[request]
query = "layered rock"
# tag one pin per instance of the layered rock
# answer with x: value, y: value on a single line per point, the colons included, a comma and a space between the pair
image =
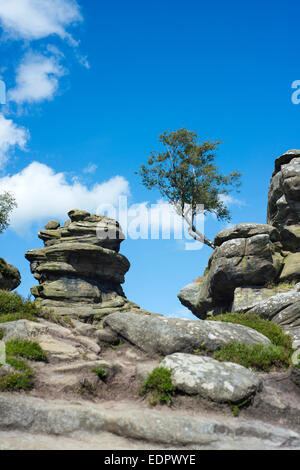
x: 80, y: 270
x: 284, y: 199
x: 250, y: 257
x: 246, y: 255
x: 10, y: 277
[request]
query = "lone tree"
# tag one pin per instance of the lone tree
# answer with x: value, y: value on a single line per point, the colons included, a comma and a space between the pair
x: 7, y: 204
x: 186, y: 175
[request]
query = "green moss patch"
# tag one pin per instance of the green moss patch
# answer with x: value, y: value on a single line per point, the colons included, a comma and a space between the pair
x: 22, y: 379
x: 269, y: 329
x: 102, y: 374
x: 27, y: 349
x: 257, y: 357
x: 159, y: 386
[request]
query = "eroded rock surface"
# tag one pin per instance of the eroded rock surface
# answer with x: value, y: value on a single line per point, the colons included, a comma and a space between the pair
x: 159, y: 335
x: 80, y: 270
x: 253, y: 255
x: 246, y: 255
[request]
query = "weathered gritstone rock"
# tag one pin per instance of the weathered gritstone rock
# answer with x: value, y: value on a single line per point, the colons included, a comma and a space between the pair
x: 60, y: 344
x: 278, y: 305
x: 169, y: 335
x: 253, y: 255
x: 284, y: 199
x: 80, y: 270
x: 246, y: 298
x: 246, y: 255
x: 139, y: 426
x: 10, y: 277
x: 218, y: 381
x: 189, y: 296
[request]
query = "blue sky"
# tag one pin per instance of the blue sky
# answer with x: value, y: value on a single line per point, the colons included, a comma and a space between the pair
x: 91, y: 86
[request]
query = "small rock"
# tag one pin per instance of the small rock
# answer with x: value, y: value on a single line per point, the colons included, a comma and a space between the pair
x: 107, y: 336
x: 52, y: 225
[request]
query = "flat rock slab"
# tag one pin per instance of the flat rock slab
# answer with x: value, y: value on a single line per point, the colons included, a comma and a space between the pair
x: 169, y: 335
x: 61, y: 344
x: 218, y: 381
x: 140, y: 426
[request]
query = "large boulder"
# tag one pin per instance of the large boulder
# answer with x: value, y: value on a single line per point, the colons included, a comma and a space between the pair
x: 80, y: 270
x: 10, y: 277
x: 218, y: 381
x: 284, y: 199
x: 159, y: 335
x: 245, y: 255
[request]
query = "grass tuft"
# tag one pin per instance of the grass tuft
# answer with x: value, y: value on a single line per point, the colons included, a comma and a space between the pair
x: 27, y: 349
x: 159, y: 386
x: 269, y: 329
x: 102, y: 374
x: 257, y: 357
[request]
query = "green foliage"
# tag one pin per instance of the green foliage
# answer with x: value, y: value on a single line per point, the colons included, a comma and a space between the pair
x: 20, y: 380
x: 269, y: 329
x: 257, y: 357
x: 236, y: 407
x: 18, y: 364
x: 1, y: 334
x: 159, y: 386
x: 7, y: 204
x: 27, y: 349
x: 14, y: 382
x: 102, y: 374
x: 13, y: 307
x: 186, y: 175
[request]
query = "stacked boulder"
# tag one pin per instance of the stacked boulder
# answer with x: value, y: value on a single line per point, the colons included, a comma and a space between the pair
x: 80, y: 270
x: 252, y: 264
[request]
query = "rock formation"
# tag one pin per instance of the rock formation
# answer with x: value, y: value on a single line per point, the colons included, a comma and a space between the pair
x: 251, y: 261
x: 80, y: 270
x: 10, y: 277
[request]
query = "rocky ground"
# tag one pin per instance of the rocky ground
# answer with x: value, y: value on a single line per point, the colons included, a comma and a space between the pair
x: 70, y: 407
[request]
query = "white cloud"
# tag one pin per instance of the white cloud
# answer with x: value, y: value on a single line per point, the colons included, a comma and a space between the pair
x: 37, y: 79
x: 11, y: 136
x: 90, y: 169
x: 37, y: 19
x: 41, y: 193
x: 230, y: 200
